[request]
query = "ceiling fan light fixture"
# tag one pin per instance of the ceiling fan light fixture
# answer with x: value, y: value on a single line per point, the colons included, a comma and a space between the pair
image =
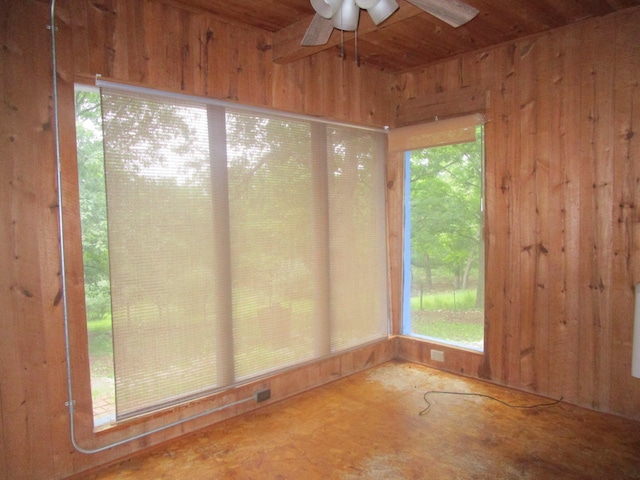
x: 382, y: 10
x: 346, y: 18
x: 326, y: 8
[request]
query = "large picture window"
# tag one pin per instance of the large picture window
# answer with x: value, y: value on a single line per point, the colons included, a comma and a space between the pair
x: 239, y: 243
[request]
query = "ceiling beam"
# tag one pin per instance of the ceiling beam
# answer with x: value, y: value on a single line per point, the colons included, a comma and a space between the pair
x: 286, y: 42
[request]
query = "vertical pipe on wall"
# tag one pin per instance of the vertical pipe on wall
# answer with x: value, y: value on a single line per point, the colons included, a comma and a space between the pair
x: 635, y: 362
x: 70, y: 404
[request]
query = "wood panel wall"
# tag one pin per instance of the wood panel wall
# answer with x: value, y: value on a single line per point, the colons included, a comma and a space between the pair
x: 563, y: 204
x: 562, y: 183
x: 160, y: 45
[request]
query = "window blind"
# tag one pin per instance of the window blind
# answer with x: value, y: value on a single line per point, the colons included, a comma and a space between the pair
x: 435, y: 134
x: 241, y: 242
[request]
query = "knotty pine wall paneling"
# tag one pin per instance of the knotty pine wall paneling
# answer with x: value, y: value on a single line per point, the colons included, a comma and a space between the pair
x: 596, y: 83
x: 31, y: 357
x: 626, y: 205
x: 156, y: 44
x: 563, y: 227
x: 563, y: 203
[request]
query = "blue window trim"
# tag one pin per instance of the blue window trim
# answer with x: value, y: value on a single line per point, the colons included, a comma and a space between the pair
x: 406, y: 248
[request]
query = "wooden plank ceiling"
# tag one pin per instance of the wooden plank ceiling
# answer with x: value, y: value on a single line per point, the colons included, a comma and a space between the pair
x: 410, y: 38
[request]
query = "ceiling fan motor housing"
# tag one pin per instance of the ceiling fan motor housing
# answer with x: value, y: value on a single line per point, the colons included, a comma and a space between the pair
x: 344, y: 14
x: 346, y: 18
x: 326, y: 8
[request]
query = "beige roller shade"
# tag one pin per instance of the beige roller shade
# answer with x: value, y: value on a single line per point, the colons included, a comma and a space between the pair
x: 241, y: 242
x: 435, y: 134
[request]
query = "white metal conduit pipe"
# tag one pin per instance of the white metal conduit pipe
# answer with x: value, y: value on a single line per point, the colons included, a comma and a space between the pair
x: 70, y: 404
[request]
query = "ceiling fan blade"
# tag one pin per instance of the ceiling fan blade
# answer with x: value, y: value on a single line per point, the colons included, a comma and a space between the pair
x: 318, y: 32
x: 453, y: 12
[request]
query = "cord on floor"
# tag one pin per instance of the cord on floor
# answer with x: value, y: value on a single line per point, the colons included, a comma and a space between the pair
x: 442, y: 392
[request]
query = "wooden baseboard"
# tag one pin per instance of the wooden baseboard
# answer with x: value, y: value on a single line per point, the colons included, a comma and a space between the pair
x: 441, y: 356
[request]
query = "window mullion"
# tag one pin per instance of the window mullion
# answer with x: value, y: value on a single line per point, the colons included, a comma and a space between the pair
x: 322, y: 313
x: 221, y: 226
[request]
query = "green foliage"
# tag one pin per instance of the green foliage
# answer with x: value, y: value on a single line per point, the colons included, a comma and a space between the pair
x: 103, y: 325
x: 446, y: 241
x: 452, y: 300
x: 93, y: 204
x: 446, y: 218
x: 463, y: 333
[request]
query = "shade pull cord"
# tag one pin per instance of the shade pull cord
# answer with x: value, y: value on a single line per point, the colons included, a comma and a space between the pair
x: 356, y: 59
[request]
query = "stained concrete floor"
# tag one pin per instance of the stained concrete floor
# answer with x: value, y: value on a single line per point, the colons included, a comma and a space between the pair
x: 368, y: 426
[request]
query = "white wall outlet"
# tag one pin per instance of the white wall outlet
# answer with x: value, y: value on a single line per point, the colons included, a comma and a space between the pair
x: 437, y: 355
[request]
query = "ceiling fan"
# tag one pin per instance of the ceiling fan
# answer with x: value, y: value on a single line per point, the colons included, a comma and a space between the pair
x: 344, y: 15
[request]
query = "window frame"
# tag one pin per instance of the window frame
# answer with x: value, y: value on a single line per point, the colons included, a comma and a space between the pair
x: 403, y: 141
x: 79, y: 306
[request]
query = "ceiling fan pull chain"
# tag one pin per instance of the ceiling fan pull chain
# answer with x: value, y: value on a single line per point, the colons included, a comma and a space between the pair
x: 356, y: 59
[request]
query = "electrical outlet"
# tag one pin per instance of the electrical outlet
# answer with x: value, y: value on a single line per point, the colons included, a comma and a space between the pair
x: 437, y: 355
x: 263, y: 395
